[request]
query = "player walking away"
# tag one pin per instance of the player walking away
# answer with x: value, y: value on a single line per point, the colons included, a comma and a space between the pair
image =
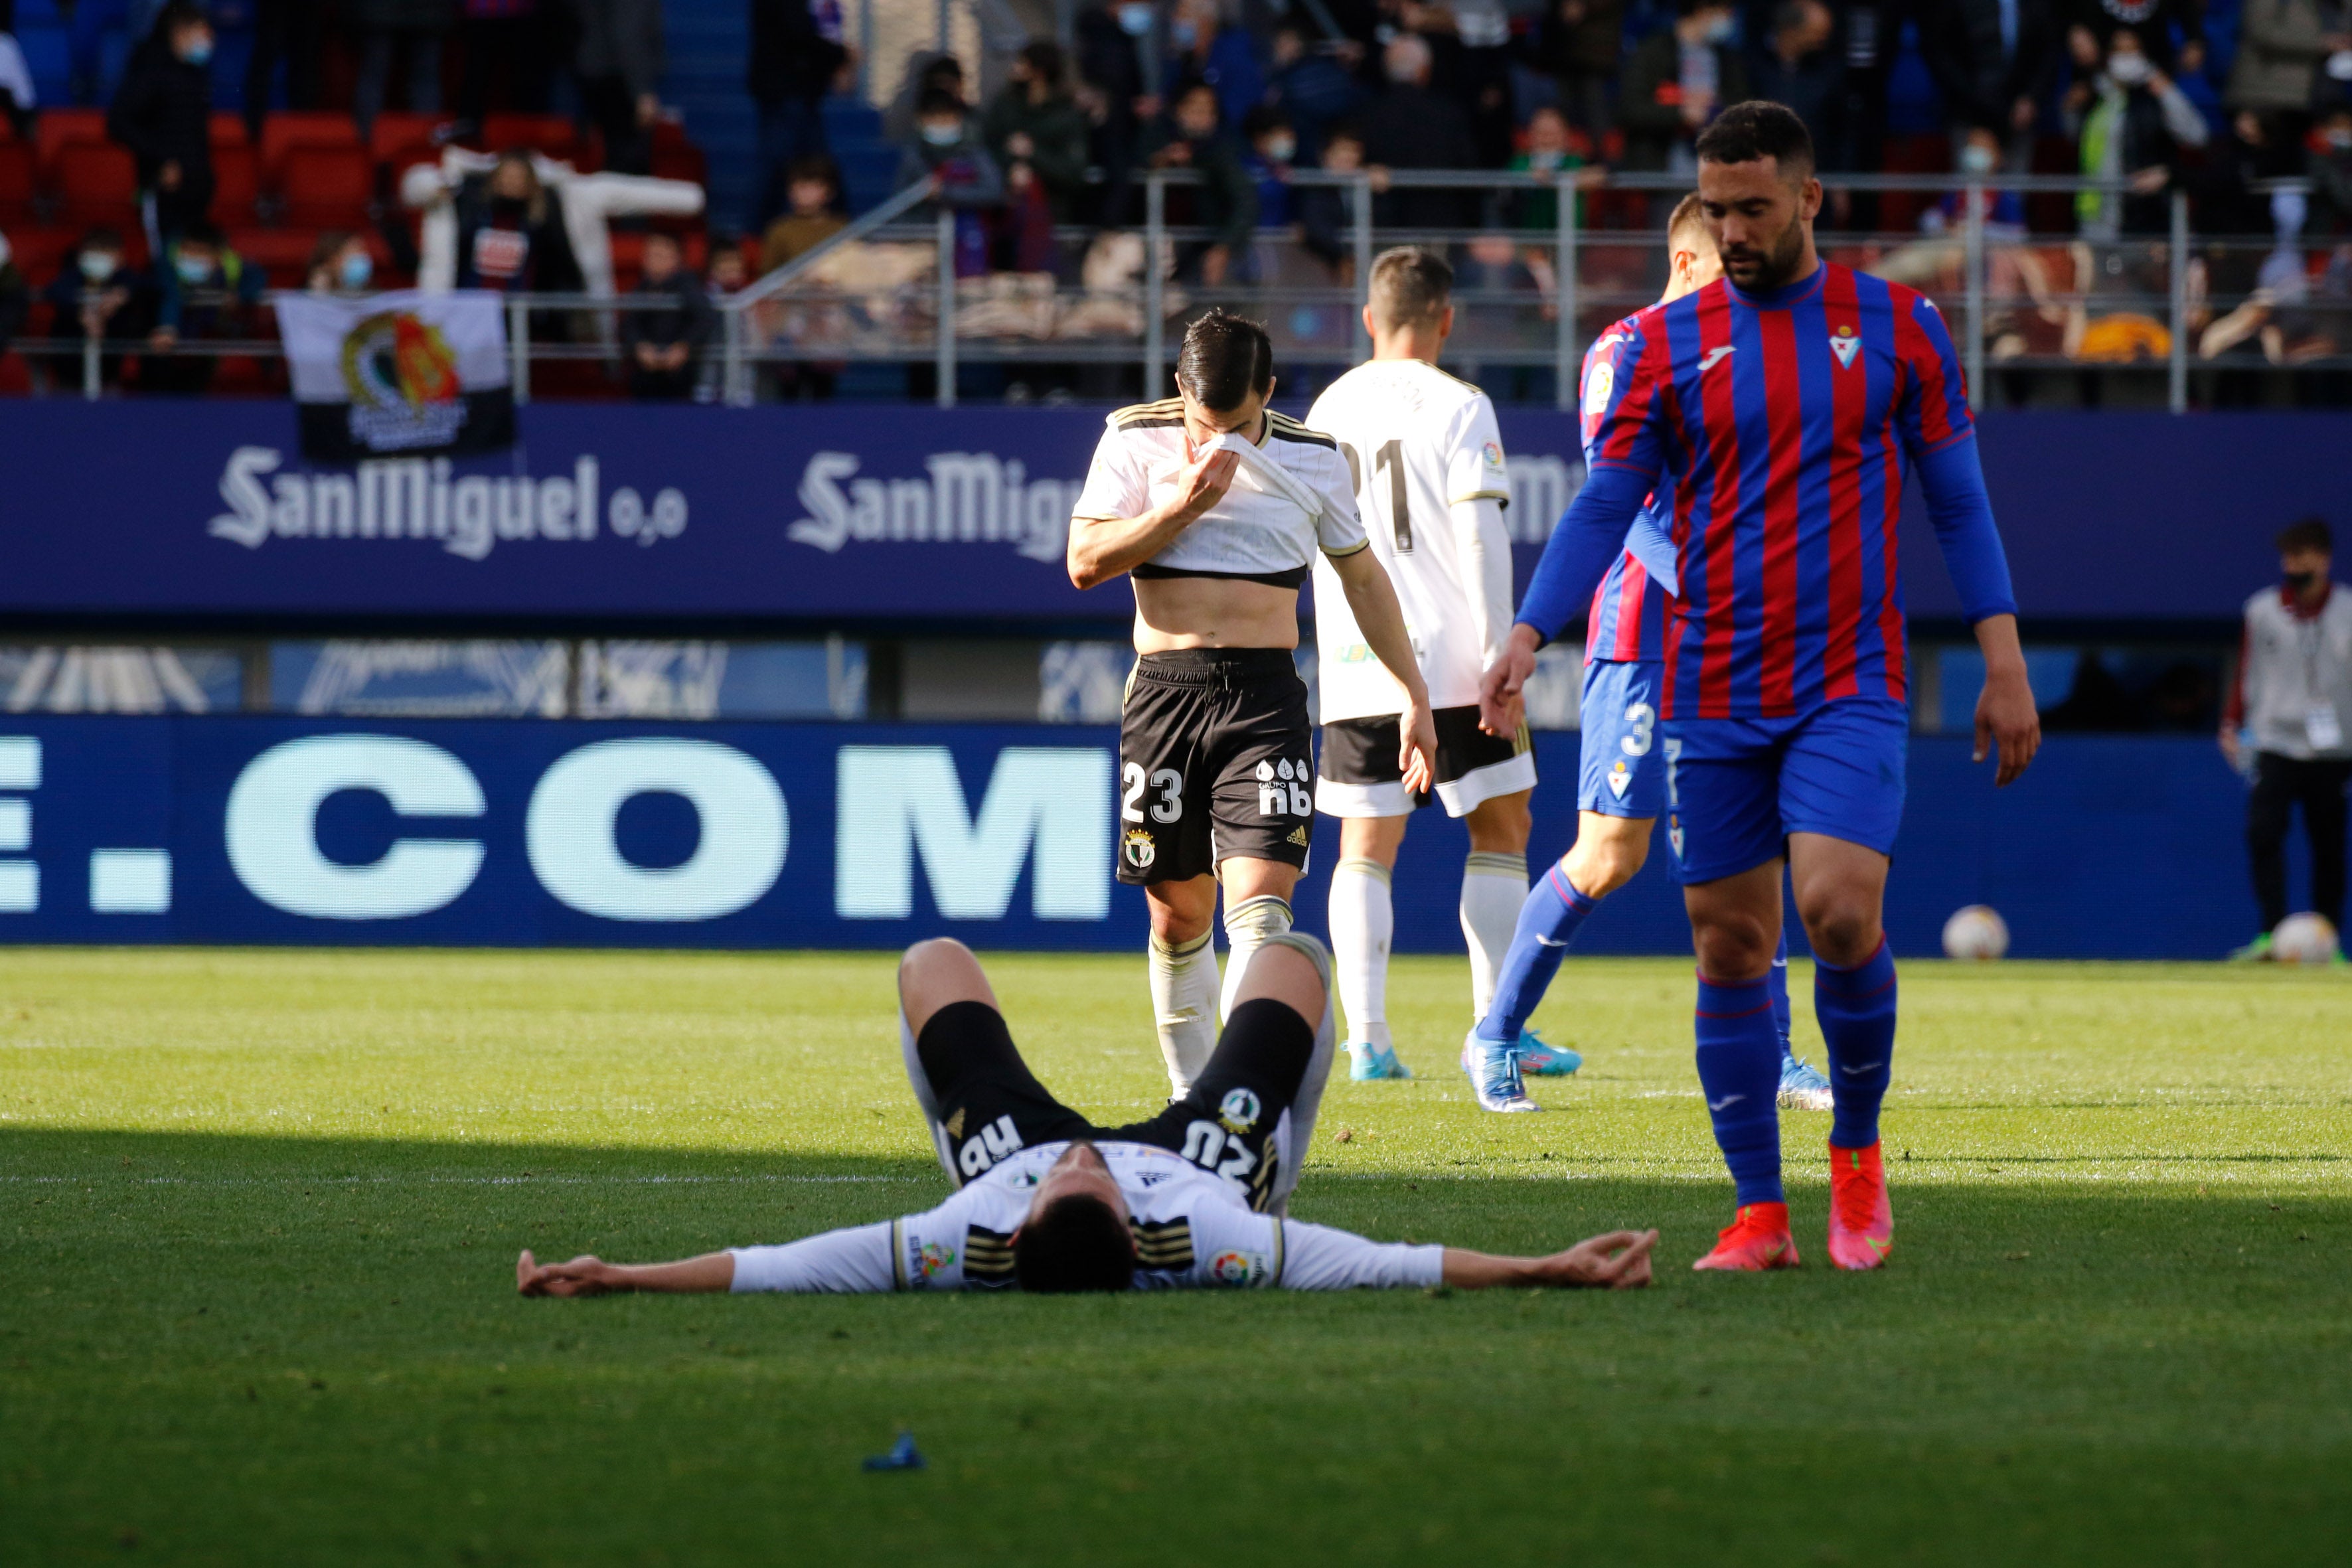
x: 1428, y: 464
x: 1216, y: 507
x: 1621, y: 784
x: 1048, y: 1202
x: 1781, y: 407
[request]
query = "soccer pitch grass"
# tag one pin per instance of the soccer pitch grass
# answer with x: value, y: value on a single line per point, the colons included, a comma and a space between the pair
x: 262, y: 1209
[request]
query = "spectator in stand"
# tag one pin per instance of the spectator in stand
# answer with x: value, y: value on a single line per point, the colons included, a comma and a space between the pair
x: 1310, y: 87
x: 794, y: 64
x: 341, y: 263
x: 203, y: 292
x: 1993, y: 61
x: 2135, y: 126
x: 1410, y: 127
x: 1326, y: 224
x: 664, y: 343
x: 19, y: 99
x: 1273, y: 148
x: 1578, y: 45
x: 293, y: 32
x: 1679, y: 81
x: 162, y: 112
x: 2330, y: 171
x: 1225, y: 201
x: 926, y: 73
x: 1201, y: 49
x: 510, y: 39
x: 728, y: 274
x: 553, y: 222
x: 1037, y: 132
x: 1801, y: 66
x: 1550, y: 149
x: 2281, y: 44
x: 2249, y: 153
x: 510, y: 232
x: 2153, y: 23
x: 947, y: 154
x: 15, y: 296
x: 812, y: 216
x: 1872, y: 34
x: 96, y: 295
x: 1113, y: 91
x: 2292, y: 701
x: 413, y: 28
x: 620, y: 60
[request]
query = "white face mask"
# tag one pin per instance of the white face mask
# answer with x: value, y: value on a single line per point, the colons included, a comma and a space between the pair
x: 1281, y: 148
x: 1545, y: 159
x: 940, y: 135
x: 1977, y: 161
x: 193, y: 270
x: 98, y: 266
x: 2130, y: 71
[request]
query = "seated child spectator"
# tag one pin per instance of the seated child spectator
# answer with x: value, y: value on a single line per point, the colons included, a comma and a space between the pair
x: 96, y: 295
x: 203, y: 290
x: 663, y: 344
x: 812, y: 195
x: 1273, y: 144
x: 341, y: 263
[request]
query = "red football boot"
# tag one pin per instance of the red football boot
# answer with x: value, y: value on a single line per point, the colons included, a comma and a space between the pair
x: 1862, y: 1225
x: 1757, y: 1239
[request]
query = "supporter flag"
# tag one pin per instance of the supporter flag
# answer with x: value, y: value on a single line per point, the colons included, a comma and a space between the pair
x: 405, y: 373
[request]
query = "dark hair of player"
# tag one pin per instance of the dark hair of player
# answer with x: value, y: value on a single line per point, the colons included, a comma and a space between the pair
x: 1224, y: 359
x: 1688, y: 218
x: 2307, y: 534
x: 1759, y: 128
x: 1409, y: 284
x: 1076, y: 1243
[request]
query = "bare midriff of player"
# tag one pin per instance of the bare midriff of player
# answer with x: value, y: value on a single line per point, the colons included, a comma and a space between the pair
x: 1216, y: 507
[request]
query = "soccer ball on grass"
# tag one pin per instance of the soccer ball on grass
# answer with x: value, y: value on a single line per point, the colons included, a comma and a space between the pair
x: 2305, y: 938
x: 1976, y: 933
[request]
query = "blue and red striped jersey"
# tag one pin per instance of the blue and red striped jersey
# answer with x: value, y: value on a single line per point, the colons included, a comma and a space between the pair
x: 1628, y: 623
x: 1778, y: 428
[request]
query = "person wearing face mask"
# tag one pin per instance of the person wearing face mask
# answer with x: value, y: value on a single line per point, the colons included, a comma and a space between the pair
x: 2288, y: 725
x: 1800, y: 65
x: 2282, y: 45
x: 1225, y: 200
x: 1677, y: 81
x: 1223, y: 58
x: 1993, y: 61
x: 203, y: 290
x: 96, y: 294
x: 340, y: 264
x: 2135, y: 128
x: 1548, y: 149
x: 1272, y: 148
x: 1036, y: 131
x: 162, y: 114
x: 1310, y: 86
x: 1412, y: 126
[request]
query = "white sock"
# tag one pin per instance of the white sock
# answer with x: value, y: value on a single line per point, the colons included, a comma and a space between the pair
x: 1184, y: 1003
x: 1493, y: 888
x: 1247, y: 925
x: 1363, y: 921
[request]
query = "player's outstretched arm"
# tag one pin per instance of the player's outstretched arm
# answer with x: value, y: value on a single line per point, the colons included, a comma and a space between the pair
x: 1101, y: 548
x: 1373, y: 597
x: 712, y: 1272
x: 1617, y: 1261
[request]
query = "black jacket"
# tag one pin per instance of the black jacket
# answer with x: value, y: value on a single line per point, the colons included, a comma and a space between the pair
x: 548, y: 266
x: 1964, y: 55
x: 1410, y: 127
x: 790, y: 58
x: 162, y: 112
x: 690, y: 320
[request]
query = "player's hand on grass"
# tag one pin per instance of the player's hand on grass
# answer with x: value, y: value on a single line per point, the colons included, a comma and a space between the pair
x: 2006, y: 717
x: 1417, y: 754
x: 582, y: 1277
x: 1617, y: 1261
x: 1501, y: 703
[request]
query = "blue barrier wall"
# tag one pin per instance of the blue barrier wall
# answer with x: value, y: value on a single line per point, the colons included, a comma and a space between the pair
x: 611, y: 511
x: 524, y: 833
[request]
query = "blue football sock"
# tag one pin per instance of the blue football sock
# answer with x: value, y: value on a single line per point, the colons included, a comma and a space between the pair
x: 1547, y: 922
x: 1780, y: 983
x: 1739, y: 1070
x: 1855, y: 1008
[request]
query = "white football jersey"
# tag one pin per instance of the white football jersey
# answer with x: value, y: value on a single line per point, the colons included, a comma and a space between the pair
x: 1420, y: 443
x: 1260, y: 529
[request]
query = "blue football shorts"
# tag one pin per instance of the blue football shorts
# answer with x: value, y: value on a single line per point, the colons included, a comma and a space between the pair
x: 1735, y: 788
x: 1622, y: 771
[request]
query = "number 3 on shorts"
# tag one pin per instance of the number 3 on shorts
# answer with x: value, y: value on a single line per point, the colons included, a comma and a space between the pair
x: 1639, y: 719
x: 1167, y: 780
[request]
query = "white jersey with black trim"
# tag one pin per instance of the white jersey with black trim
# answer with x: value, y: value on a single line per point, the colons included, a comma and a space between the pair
x: 1193, y: 1231
x: 1261, y: 529
x: 1428, y: 471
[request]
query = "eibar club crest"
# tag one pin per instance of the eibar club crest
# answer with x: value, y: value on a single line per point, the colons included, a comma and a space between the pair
x: 1845, y: 345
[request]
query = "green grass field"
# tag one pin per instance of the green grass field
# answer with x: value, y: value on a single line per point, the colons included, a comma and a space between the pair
x: 262, y: 1208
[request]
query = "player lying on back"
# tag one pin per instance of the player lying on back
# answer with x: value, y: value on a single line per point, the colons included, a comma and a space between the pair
x: 1216, y: 507
x: 1782, y: 407
x: 1621, y: 783
x: 1194, y: 1197
x: 1428, y: 465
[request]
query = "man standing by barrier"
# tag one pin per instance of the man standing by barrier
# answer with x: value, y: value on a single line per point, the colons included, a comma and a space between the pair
x: 2291, y: 701
x: 1217, y: 506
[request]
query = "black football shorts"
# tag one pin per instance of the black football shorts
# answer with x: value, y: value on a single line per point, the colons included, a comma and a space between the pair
x: 1363, y: 775
x: 1215, y: 759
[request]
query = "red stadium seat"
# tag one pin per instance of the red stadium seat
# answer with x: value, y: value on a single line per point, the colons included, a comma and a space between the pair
x: 39, y: 252
x: 17, y: 183
x: 283, y: 254
x: 400, y: 140
x: 326, y: 187
x: 58, y: 129
x: 15, y: 375
x: 287, y: 129
x: 685, y: 161
x: 549, y: 133
x: 228, y: 129
x: 97, y: 183
x: 237, y: 183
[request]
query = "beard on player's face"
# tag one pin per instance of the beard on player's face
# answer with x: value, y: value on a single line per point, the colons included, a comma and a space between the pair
x: 1761, y: 266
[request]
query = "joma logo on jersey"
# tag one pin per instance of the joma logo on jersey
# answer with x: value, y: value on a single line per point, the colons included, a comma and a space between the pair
x: 1282, y: 789
x: 984, y: 1148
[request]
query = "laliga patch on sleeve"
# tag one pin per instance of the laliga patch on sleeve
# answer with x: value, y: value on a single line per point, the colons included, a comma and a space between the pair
x: 1598, y: 387
x: 1236, y: 1266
